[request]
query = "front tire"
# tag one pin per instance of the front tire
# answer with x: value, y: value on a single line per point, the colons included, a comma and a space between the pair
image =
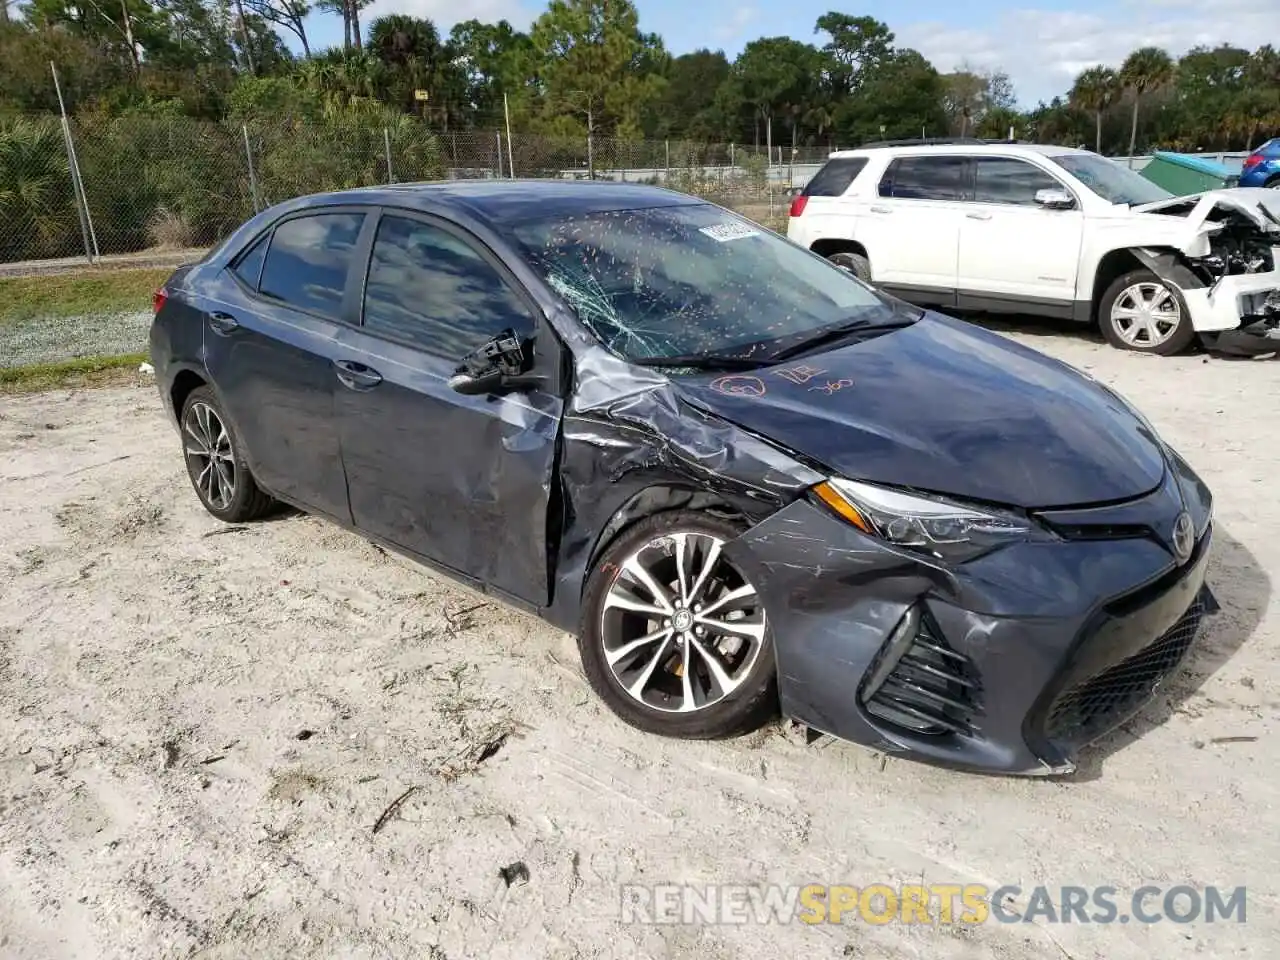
x: 855, y: 263
x: 674, y: 638
x: 215, y: 461
x: 1141, y: 312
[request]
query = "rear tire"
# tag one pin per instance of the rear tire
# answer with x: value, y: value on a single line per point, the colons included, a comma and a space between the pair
x: 712, y: 672
x: 1143, y: 313
x: 215, y: 461
x: 1274, y: 182
x: 855, y: 263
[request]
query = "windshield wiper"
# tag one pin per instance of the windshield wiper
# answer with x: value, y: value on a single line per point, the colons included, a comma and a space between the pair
x: 702, y: 361
x: 839, y: 332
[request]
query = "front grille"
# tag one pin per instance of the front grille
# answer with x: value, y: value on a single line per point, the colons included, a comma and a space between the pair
x: 931, y: 689
x: 1089, y: 708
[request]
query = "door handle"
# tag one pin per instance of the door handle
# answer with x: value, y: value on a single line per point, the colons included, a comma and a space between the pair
x: 356, y: 376
x: 882, y: 210
x: 223, y: 323
x: 978, y: 215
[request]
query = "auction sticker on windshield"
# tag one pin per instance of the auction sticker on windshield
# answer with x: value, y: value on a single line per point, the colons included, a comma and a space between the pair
x: 725, y: 232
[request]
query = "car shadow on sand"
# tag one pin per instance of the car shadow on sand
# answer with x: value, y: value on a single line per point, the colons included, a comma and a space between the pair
x: 1243, y: 591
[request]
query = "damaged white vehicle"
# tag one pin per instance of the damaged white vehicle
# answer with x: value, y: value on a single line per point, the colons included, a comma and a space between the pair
x: 1019, y: 228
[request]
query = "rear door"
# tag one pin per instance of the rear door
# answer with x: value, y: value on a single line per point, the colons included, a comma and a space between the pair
x: 911, y: 230
x: 1011, y: 248
x: 462, y: 481
x: 269, y: 351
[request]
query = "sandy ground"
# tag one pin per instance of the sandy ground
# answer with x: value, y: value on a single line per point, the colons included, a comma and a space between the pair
x: 201, y: 725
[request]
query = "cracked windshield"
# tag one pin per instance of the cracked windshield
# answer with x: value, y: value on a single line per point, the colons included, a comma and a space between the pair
x: 694, y: 281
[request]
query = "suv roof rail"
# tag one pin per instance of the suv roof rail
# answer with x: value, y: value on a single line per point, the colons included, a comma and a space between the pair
x: 941, y: 142
x: 924, y: 142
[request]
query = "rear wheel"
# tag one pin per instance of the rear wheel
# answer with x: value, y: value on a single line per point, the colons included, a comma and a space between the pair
x: 855, y: 263
x: 1141, y: 312
x: 1274, y: 182
x: 215, y: 461
x: 674, y: 638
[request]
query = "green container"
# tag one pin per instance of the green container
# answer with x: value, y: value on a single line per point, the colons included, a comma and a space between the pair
x: 1182, y: 173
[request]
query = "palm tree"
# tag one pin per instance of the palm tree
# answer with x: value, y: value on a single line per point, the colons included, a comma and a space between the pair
x: 1144, y: 70
x: 1095, y: 90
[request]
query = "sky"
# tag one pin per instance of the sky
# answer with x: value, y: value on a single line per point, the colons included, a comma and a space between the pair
x: 1041, y: 48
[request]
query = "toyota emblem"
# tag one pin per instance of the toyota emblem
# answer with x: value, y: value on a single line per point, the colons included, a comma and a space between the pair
x: 1184, y: 537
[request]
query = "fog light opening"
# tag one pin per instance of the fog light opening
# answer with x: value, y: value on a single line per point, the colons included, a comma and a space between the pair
x: 897, y: 646
x: 920, y: 683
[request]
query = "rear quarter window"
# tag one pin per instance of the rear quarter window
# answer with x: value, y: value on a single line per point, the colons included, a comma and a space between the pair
x: 835, y: 177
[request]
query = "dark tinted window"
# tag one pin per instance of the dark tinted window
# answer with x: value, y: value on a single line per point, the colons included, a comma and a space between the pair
x: 307, y: 261
x: 834, y: 178
x: 431, y: 289
x: 1004, y: 180
x: 925, y: 178
x: 249, y: 266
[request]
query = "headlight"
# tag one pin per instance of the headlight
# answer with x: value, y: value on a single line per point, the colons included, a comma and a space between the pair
x: 940, y: 528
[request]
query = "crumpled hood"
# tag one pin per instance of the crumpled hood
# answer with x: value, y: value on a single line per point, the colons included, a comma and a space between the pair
x: 1259, y: 204
x: 948, y: 407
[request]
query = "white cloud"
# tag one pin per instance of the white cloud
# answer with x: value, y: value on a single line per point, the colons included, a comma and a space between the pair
x: 734, y: 26
x: 1043, y: 50
x: 445, y: 13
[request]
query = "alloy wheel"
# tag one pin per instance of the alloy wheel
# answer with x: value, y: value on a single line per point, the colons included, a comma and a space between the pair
x: 1146, y: 314
x: 682, y: 627
x: 207, y: 445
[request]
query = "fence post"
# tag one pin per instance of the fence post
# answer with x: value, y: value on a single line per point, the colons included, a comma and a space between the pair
x: 732, y: 163
x: 253, y: 180
x: 386, y: 141
x: 666, y: 170
x: 76, y: 188
x: 499, y: 136
x: 591, y: 157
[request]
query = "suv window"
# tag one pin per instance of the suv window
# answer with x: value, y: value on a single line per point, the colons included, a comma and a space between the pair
x: 249, y: 267
x: 925, y: 178
x: 1007, y: 180
x: 432, y: 290
x: 834, y: 177
x: 307, y: 261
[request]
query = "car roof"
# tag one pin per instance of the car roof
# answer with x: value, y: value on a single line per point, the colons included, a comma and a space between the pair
x: 1047, y: 150
x: 505, y: 202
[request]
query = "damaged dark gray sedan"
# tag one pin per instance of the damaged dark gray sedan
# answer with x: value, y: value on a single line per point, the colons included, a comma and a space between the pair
x: 742, y: 477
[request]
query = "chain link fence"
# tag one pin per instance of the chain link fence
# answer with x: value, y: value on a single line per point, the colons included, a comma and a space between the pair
x: 107, y: 205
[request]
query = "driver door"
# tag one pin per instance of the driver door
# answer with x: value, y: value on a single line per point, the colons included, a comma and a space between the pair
x: 461, y: 481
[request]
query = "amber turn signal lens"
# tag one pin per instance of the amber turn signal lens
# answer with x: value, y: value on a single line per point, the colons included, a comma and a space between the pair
x: 832, y: 498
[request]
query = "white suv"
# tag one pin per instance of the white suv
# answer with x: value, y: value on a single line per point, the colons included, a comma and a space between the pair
x: 1017, y: 228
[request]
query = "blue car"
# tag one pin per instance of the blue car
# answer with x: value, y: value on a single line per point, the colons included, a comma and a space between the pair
x: 1262, y: 167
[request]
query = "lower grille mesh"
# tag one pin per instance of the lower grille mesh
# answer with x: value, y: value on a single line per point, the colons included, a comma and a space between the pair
x: 931, y: 690
x: 1088, y: 709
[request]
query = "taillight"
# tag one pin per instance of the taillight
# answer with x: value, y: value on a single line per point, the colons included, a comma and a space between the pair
x: 158, y: 299
x: 798, y: 204
x: 1252, y: 160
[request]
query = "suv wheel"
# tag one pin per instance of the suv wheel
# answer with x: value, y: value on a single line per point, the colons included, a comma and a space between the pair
x: 855, y: 263
x: 674, y: 637
x: 215, y: 461
x: 1141, y: 312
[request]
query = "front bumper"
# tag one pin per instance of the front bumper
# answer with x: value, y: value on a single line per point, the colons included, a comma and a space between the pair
x: 1234, y: 300
x: 1014, y: 660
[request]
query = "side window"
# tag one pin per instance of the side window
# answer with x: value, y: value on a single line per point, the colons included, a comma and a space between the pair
x: 834, y: 177
x: 1005, y: 180
x: 925, y: 178
x: 249, y: 267
x: 307, y: 262
x: 432, y: 290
